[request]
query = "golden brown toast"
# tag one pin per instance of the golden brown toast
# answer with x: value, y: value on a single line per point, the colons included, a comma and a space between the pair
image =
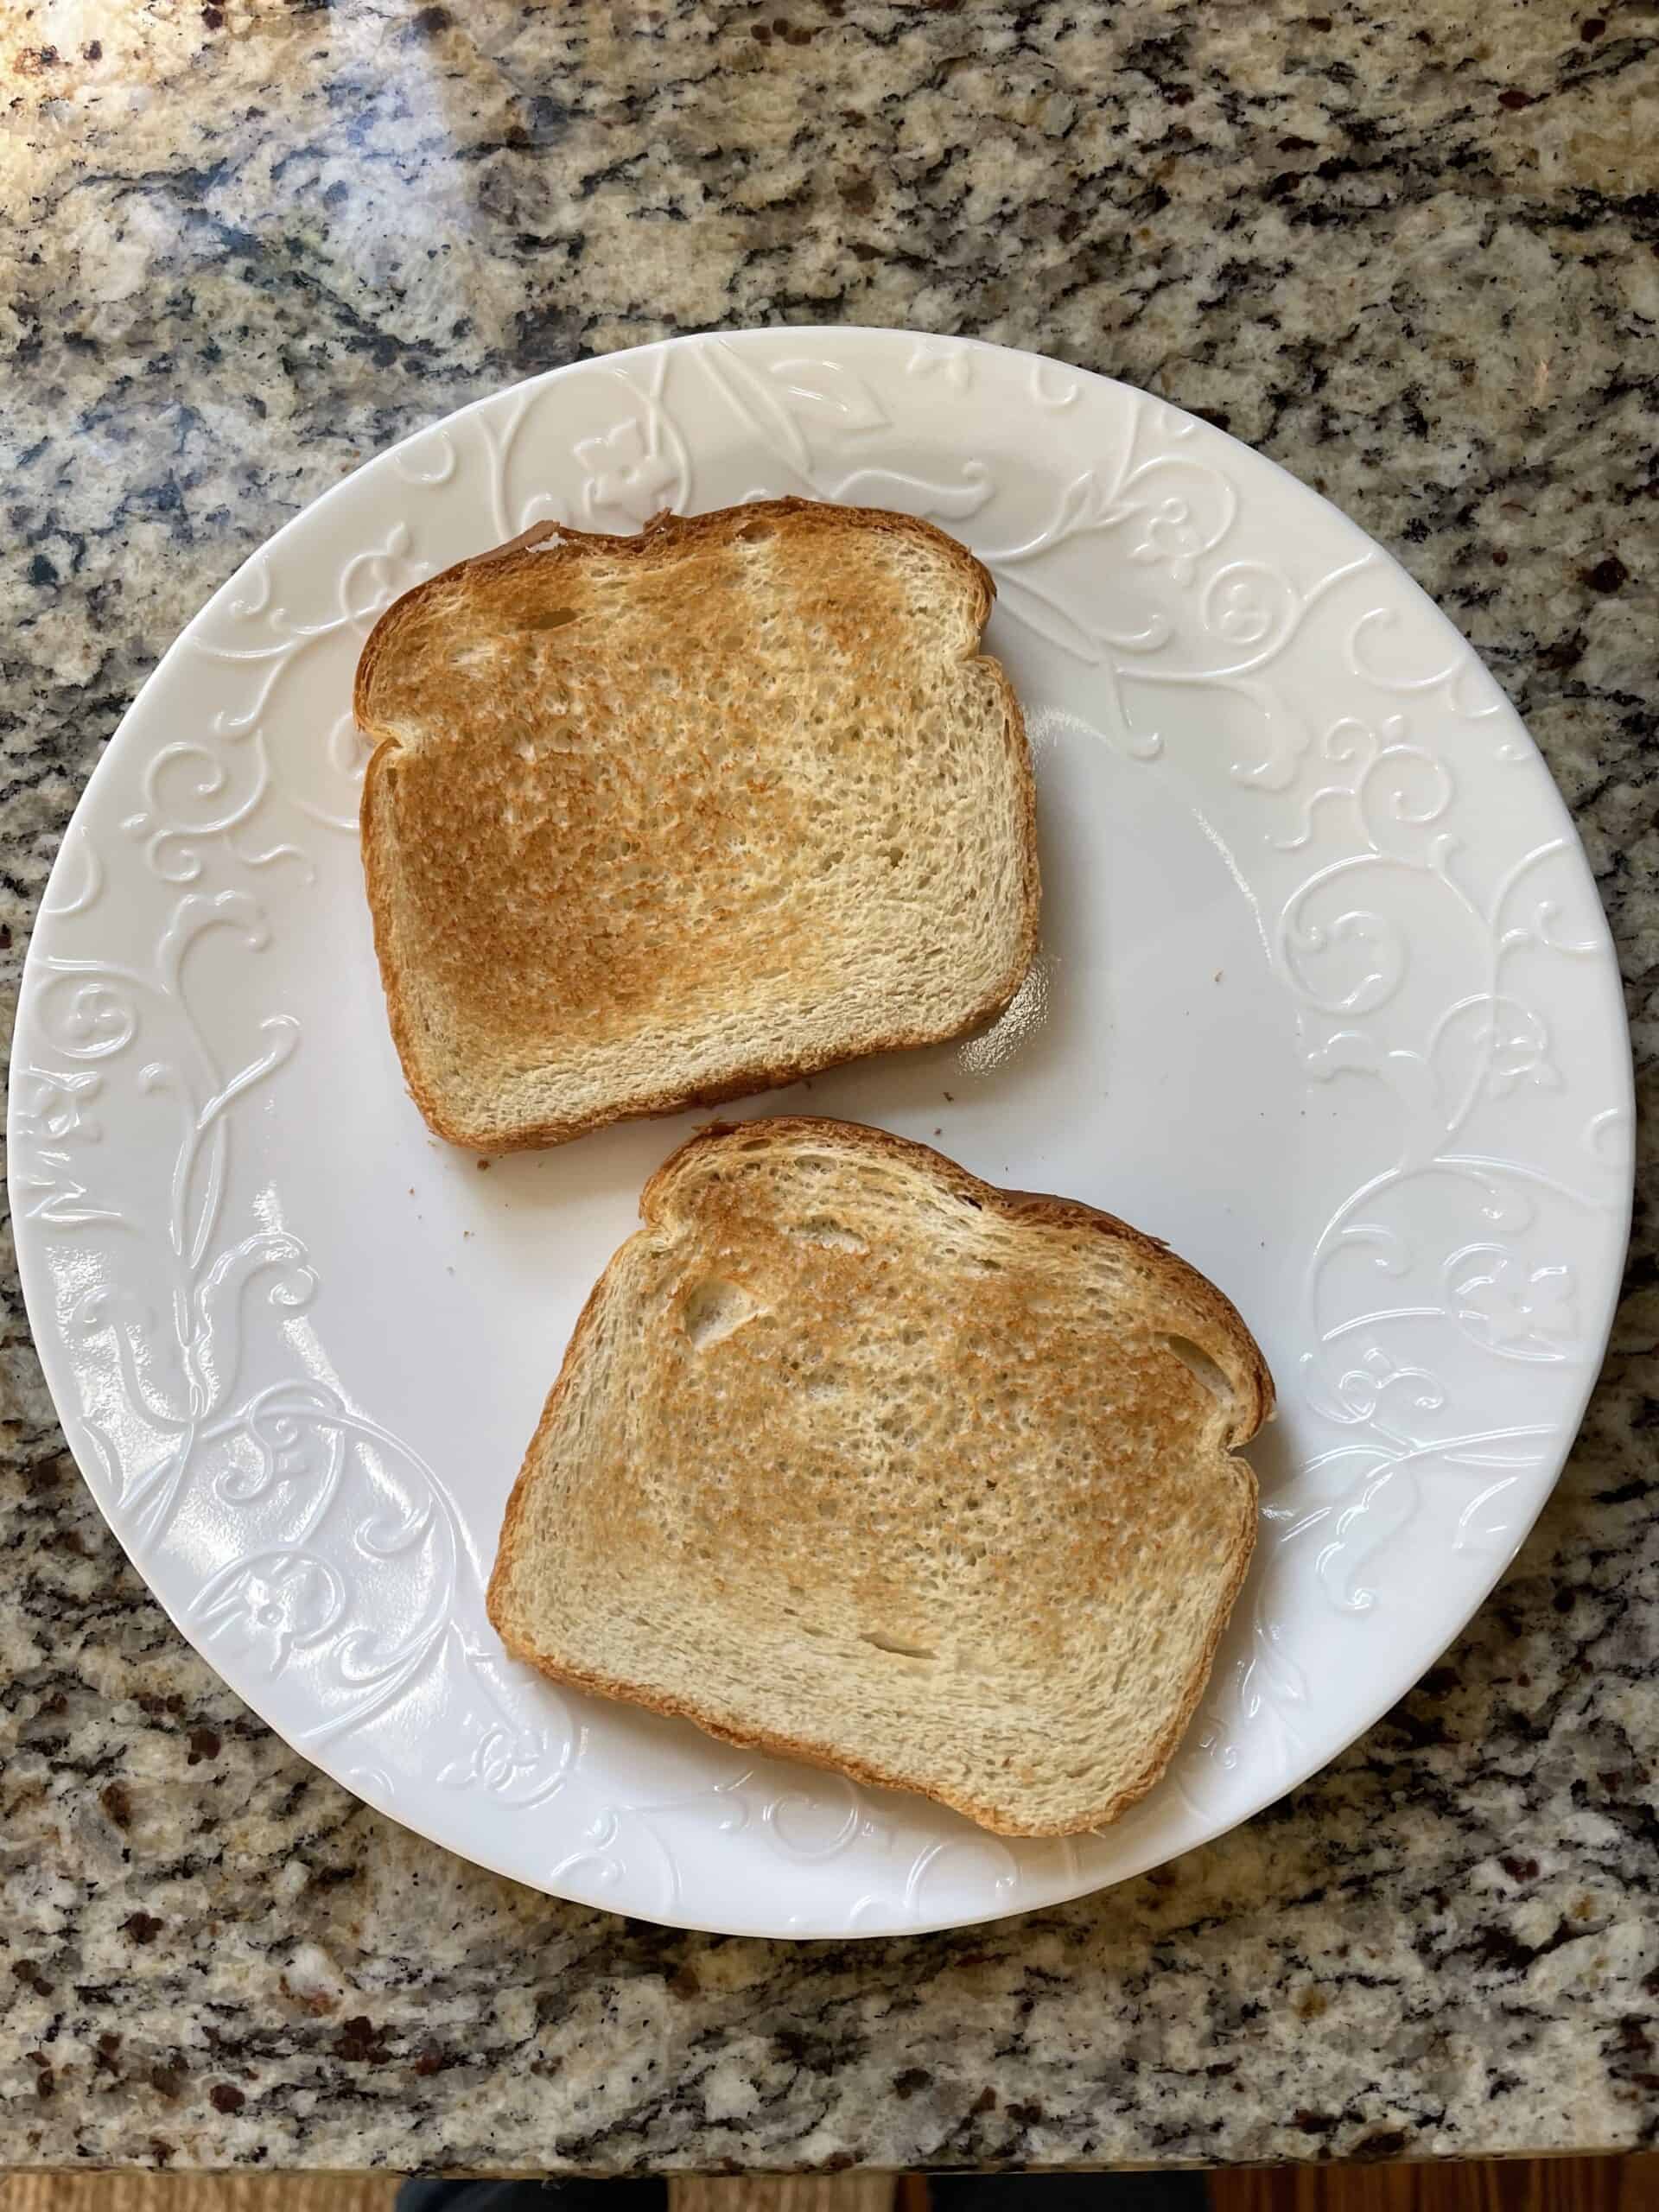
x: 855, y: 1458
x: 655, y: 821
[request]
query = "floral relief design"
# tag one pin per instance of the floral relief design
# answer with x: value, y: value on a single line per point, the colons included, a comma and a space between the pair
x: 326, y: 1500
x: 210, y: 1418
x: 951, y: 363
x: 1525, y: 1314
x: 623, y: 477
x: 196, y: 791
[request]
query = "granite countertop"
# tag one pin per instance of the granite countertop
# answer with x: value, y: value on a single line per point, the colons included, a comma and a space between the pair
x: 1409, y: 251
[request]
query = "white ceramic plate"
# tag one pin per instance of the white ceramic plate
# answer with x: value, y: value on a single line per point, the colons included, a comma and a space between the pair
x: 1325, y: 998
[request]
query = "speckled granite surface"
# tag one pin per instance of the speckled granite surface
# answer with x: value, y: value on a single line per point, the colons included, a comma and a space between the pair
x: 1409, y: 251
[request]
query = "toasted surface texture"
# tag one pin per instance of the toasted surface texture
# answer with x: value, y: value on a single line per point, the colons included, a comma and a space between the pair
x: 655, y: 821
x: 856, y: 1457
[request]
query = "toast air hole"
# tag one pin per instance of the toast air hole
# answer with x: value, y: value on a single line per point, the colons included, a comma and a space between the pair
x: 713, y: 1309
x: 823, y: 1228
x: 1198, y: 1363
x: 897, y: 1651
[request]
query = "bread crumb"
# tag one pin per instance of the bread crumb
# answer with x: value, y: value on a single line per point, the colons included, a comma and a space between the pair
x: 482, y: 1165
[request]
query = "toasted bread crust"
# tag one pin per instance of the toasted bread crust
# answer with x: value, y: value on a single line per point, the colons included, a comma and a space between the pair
x: 1189, y: 1294
x: 671, y: 534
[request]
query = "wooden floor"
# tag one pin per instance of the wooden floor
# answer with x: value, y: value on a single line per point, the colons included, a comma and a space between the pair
x: 195, y: 2193
x: 1489, y: 2185
x: 1529, y: 2185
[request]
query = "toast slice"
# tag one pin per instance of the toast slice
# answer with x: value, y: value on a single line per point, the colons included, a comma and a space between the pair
x: 655, y: 821
x: 857, y: 1459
